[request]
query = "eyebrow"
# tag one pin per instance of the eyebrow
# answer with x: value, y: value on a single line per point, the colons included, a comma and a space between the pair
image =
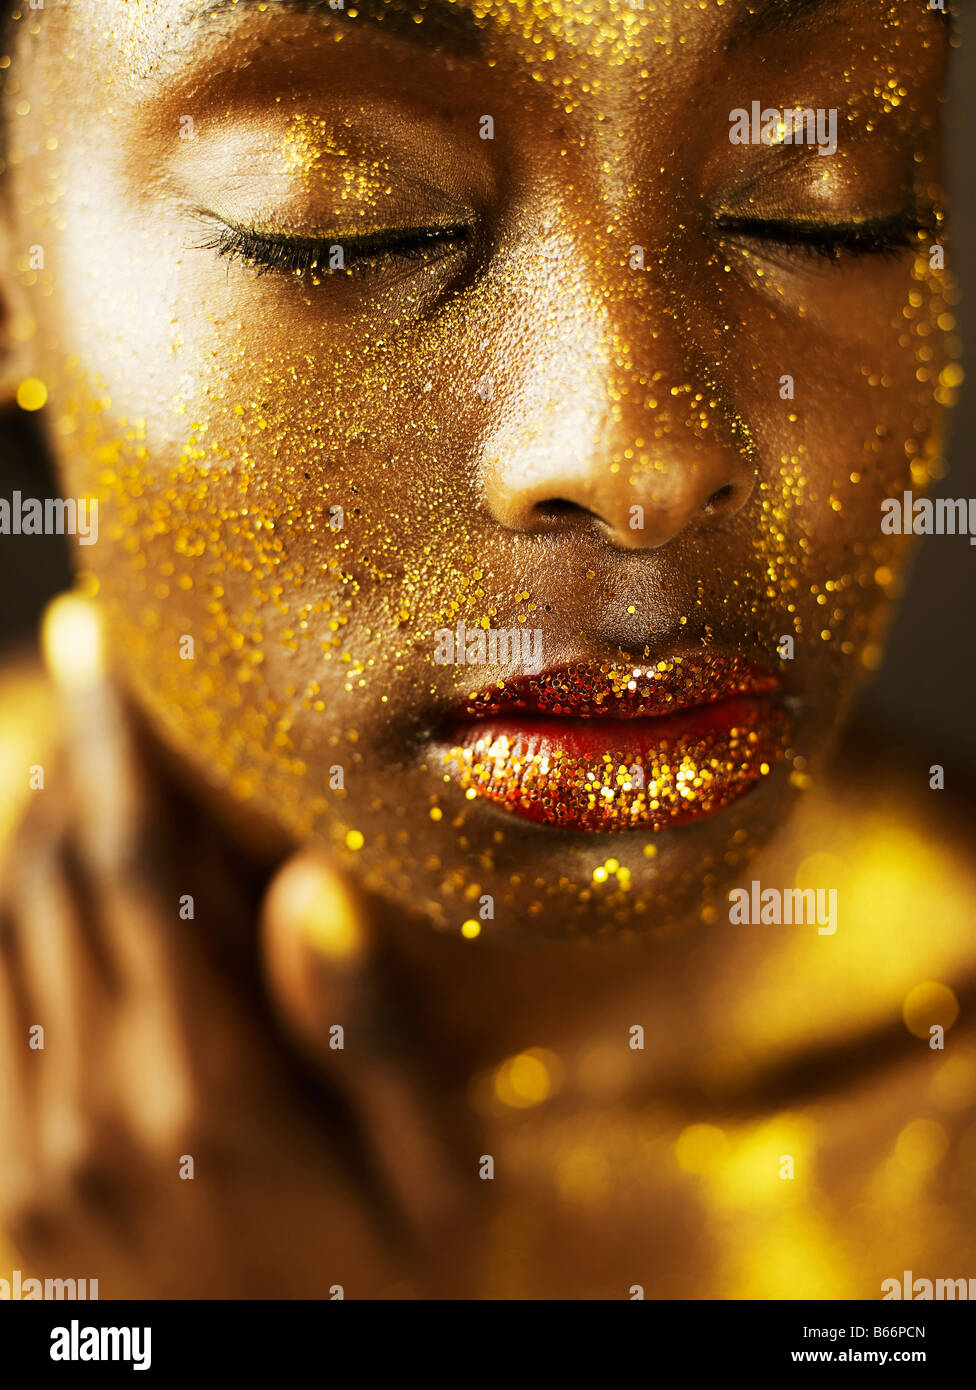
x: 443, y: 25
x: 769, y: 17
x: 773, y: 16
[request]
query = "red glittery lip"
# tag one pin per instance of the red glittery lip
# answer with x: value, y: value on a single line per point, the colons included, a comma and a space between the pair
x: 611, y: 747
x: 591, y: 690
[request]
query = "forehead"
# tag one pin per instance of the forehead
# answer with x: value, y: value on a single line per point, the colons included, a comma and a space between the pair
x: 474, y: 22
x: 150, y: 33
x: 567, y: 51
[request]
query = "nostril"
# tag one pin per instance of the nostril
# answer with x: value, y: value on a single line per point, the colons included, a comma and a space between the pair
x: 556, y: 509
x: 720, y: 499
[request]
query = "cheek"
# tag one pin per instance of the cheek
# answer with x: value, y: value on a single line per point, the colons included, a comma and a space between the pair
x: 842, y: 377
x: 267, y: 576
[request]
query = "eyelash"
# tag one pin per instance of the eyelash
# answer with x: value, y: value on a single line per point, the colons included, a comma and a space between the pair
x: 362, y: 255
x: 886, y: 237
x: 368, y: 255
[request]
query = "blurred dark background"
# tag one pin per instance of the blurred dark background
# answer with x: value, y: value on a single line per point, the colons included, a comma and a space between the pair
x: 922, y: 693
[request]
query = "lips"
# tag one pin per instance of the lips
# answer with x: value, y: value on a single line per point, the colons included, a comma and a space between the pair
x: 610, y: 747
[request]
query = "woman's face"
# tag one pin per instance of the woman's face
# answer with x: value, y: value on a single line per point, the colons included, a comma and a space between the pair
x: 584, y: 370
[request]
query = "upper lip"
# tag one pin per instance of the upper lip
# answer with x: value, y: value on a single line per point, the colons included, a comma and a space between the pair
x: 623, y: 689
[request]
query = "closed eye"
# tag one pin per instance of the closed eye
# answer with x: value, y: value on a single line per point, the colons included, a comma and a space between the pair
x: 884, y: 236
x: 318, y: 257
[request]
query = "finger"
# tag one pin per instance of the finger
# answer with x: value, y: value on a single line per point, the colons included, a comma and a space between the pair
x: 107, y: 785
x: 61, y: 979
x: 15, y: 1059
x: 121, y: 848
x: 32, y: 1221
x: 320, y: 960
x: 116, y: 815
x: 74, y: 1187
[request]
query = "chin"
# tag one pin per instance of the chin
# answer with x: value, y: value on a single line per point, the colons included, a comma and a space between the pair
x: 506, y: 878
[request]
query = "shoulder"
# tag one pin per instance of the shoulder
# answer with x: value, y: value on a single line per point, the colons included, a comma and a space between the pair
x: 899, y: 858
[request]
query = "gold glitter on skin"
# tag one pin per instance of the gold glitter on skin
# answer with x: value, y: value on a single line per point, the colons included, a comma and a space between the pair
x: 311, y: 149
x: 219, y: 415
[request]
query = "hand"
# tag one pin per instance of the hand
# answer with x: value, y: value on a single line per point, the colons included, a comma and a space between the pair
x: 158, y: 1049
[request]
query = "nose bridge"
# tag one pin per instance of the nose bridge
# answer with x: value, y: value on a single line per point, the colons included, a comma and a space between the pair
x: 606, y: 408
x: 561, y: 389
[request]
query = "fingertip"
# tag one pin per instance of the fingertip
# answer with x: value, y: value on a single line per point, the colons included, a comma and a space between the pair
x: 113, y: 800
x: 310, y: 898
x: 73, y: 643
x: 315, y: 951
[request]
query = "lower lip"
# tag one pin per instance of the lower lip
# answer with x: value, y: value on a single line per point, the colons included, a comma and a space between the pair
x: 620, y: 774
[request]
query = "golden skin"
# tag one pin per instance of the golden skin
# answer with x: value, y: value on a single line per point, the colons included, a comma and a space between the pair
x: 219, y: 414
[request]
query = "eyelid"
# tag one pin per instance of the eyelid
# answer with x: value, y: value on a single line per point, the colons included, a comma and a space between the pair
x: 248, y: 203
x: 428, y: 174
x: 871, y: 175
x: 833, y: 238
x: 325, y: 236
x: 903, y: 217
x: 272, y: 253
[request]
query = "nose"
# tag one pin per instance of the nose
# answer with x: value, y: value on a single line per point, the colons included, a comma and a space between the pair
x: 608, y: 424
